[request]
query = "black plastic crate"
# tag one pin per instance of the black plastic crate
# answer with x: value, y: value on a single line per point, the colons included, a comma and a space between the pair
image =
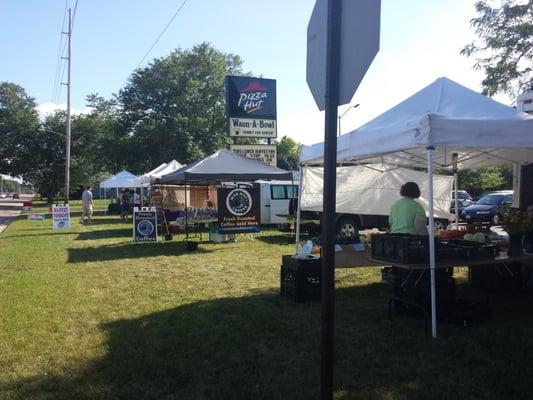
x: 415, y: 286
x: 414, y: 249
x: 464, y: 312
x: 300, y: 278
x: 476, y: 251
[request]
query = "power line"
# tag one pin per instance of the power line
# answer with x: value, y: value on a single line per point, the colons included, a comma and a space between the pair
x: 161, y: 34
x: 59, y: 54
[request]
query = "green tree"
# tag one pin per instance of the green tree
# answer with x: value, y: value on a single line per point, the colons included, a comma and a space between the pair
x: 288, y: 153
x: 19, y: 122
x: 505, y: 45
x: 174, y: 108
x: 476, y: 181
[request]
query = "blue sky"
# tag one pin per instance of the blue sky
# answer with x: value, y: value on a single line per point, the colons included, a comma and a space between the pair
x: 420, y: 41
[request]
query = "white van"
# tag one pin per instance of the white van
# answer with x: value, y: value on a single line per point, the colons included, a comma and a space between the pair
x: 275, y: 201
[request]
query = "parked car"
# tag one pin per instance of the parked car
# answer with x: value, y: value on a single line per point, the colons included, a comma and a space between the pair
x: 488, y: 207
x: 2, y: 196
x: 462, y: 195
x: 462, y: 203
x: 16, y: 196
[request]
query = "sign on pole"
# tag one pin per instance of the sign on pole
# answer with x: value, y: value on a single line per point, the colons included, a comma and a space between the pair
x: 251, y: 107
x: 239, y: 210
x: 359, y: 44
x: 60, y: 216
x: 342, y: 40
x: 266, y: 153
x: 145, y: 224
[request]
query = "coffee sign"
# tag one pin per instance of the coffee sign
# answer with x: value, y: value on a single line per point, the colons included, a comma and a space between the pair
x: 238, y: 210
x: 144, y: 224
x: 251, y: 107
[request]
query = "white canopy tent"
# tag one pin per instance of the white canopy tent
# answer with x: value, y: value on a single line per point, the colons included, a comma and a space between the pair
x: 145, y: 178
x: 156, y: 173
x: 123, y: 179
x: 427, y: 129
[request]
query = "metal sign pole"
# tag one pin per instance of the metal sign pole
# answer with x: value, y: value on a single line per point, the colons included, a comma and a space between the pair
x: 327, y: 340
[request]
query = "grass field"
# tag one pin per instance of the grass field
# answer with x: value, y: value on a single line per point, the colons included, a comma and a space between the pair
x: 86, y: 314
x: 41, y: 206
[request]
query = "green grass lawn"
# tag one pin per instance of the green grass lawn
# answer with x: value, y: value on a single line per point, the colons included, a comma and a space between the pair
x: 41, y: 206
x: 86, y: 314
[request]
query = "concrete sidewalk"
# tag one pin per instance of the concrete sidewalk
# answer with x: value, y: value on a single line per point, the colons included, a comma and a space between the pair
x: 9, y: 211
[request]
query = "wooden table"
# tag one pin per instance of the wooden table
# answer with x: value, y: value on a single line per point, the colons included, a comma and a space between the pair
x: 499, y: 260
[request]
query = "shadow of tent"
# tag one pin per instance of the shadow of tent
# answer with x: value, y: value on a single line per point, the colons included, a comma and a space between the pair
x: 265, y: 347
x: 129, y: 251
x: 105, y: 234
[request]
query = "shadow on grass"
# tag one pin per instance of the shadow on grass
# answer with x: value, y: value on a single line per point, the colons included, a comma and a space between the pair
x: 105, y: 234
x: 265, y: 347
x: 279, y: 239
x: 130, y: 250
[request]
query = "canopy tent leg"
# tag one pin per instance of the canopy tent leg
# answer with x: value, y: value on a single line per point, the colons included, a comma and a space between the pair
x: 298, y: 212
x: 456, y: 188
x: 186, y: 215
x: 432, y: 242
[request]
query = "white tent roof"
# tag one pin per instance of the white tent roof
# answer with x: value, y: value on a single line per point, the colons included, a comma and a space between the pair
x: 145, y: 178
x: 169, y: 168
x: 163, y: 169
x: 123, y: 179
x: 445, y: 115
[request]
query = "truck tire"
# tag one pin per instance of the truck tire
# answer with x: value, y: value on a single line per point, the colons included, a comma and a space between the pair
x: 441, y: 224
x: 347, y: 227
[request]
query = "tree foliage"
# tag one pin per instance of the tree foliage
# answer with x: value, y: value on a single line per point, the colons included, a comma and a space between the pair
x: 288, y: 153
x: 476, y: 181
x: 504, y: 48
x: 174, y: 108
x: 18, y: 124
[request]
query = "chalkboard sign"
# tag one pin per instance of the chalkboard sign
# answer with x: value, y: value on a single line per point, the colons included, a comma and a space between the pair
x: 144, y: 224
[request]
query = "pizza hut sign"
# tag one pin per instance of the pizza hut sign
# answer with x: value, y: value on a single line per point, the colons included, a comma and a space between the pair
x: 251, y: 106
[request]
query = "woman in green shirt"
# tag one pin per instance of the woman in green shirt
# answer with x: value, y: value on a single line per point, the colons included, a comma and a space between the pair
x: 407, y: 215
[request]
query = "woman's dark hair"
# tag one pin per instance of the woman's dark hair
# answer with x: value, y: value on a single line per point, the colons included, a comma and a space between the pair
x: 411, y: 190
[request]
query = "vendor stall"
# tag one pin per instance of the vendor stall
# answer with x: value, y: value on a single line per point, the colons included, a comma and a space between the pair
x: 222, y: 166
x: 443, y: 125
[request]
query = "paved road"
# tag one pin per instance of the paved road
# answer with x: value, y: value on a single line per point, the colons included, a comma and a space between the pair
x: 9, y: 210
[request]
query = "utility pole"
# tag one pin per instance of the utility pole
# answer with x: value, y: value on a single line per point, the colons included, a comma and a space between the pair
x: 68, y: 84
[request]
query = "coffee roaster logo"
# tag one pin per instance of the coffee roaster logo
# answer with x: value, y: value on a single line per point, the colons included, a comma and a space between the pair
x: 145, y: 227
x: 239, y: 202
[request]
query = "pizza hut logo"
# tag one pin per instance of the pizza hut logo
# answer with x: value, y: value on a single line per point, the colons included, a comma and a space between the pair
x: 252, y: 97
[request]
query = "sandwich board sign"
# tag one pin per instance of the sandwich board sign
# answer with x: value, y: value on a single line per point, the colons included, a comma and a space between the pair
x: 360, y: 25
x: 145, y: 224
x: 60, y: 216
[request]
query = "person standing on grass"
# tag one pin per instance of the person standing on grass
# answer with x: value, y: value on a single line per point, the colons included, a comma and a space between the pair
x: 124, y: 205
x: 137, y: 200
x: 87, y: 204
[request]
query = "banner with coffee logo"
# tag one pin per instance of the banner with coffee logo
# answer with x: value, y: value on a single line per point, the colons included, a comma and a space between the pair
x: 239, y: 210
x: 251, y: 107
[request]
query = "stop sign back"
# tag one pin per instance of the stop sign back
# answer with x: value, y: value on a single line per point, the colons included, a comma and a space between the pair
x: 360, y: 28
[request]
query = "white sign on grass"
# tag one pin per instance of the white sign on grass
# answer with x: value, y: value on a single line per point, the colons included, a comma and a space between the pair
x: 61, y: 216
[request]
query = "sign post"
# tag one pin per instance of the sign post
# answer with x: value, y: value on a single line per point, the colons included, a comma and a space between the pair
x: 341, y: 44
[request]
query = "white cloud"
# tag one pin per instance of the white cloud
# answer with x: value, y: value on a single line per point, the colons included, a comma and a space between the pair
x: 45, y: 109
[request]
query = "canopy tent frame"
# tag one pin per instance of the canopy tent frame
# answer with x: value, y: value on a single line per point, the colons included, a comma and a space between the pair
x: 439, y: 121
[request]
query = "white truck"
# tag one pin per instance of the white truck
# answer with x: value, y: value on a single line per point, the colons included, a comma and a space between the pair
x: 365, y: 195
